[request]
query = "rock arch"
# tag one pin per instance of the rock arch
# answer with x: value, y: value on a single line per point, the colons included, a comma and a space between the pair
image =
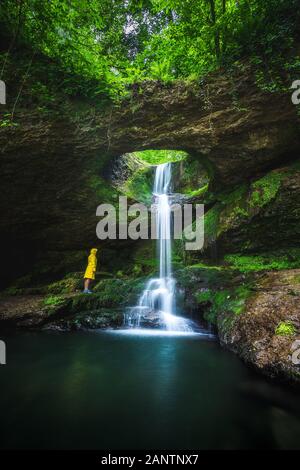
x: 54, y: 169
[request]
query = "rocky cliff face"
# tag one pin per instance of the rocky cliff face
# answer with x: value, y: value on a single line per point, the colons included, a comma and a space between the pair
x: 265, y: 333
x: 56, y: 163
x: 258, y: 215
x: 255, y: 313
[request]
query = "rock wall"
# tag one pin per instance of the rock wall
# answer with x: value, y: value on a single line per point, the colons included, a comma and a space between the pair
x: 56, y: 163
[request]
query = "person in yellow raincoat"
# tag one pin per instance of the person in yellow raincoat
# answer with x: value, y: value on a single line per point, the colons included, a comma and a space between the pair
x: 90, y: 271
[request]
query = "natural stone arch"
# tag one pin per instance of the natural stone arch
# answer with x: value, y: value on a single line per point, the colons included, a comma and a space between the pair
x: 55, y: 168
x: 239, y: 137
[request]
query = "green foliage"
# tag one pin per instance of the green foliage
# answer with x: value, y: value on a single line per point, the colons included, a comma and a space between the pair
x: 134, y: 176
x: 156, y: 157
x: 109, y: 44
x: 285, y: 329
x: 7, y: 121
x: 267, y: 261
x: 161, y: 71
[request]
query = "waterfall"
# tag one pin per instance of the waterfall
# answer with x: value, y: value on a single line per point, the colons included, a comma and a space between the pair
x: 157, y: 302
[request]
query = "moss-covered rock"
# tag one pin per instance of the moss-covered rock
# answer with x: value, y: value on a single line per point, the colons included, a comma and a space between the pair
x: 258, y: 216
x: 190, y: 178
x: 270, y: 260
x: 134, y: 174
x: 256, y: 314
x: 207, y: 290
x: 133, y: 177
x: 62, y: 304
x: 263, y: 334
x: 265, y: 189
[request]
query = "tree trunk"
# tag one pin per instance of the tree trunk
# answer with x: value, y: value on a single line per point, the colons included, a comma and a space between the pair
x: 224, y: 42
x: 223, y: 6
x: 216, y: 34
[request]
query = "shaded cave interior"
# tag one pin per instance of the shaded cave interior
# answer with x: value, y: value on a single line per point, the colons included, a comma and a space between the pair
x: 28, y: 249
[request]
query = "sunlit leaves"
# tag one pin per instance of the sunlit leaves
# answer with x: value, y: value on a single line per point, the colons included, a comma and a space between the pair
x: 118, y: 42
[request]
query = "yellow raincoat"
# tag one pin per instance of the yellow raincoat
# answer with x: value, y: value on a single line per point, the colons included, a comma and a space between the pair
x: 92, y: 264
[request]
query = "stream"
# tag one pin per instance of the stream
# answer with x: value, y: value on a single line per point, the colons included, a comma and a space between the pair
x: 113, y: 390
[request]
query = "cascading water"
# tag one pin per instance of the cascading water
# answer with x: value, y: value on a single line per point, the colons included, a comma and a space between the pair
x: 158, y: 299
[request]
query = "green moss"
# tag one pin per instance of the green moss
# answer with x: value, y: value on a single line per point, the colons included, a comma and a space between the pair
x: 230, y: 207
x: 139, y: 186
x: 110, y: 294
x: 233, y: 197
x: 70, y: 283
x: 198, y: 192
x: 206, y: 266
x: 133, y: 177
x: 144, y: 259
x: 233, y: 208
x: 53, y: 300
x: 190, y: 178
x: 265, y: 189
x: 204, y: 296
x: 115, y: 292
x: 211, y: 222
x: 236, y: 206
x: 285, y: 329
x: 137, y: 270
x: 223, y: 301
x: 267, y: 261
x: 103, y: 191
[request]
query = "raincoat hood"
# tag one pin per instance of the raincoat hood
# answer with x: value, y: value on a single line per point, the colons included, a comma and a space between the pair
x: 94, y: 250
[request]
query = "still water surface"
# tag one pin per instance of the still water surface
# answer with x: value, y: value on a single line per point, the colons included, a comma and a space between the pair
x: 108, y: 390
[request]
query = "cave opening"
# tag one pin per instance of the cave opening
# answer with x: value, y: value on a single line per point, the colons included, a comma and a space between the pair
x: 133, y: 173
